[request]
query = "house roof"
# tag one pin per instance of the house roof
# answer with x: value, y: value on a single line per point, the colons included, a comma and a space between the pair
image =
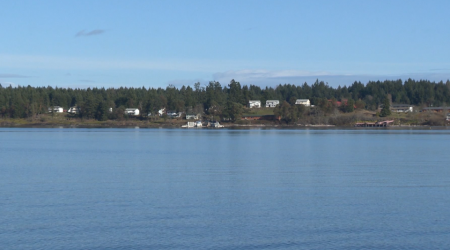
x: 256, y: 115
x: 401, y: 105
x: 130, y: 109
x: 436, y: 108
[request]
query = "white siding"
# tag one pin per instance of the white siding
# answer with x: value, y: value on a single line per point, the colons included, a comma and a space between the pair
x: 304, y: 102
x: 254, y: 104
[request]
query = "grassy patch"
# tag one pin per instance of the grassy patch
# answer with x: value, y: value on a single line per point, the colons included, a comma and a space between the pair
x: 260, y: 111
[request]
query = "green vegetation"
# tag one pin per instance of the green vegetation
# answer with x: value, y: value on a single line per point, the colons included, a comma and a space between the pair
x: 386, y: 111
x: 260, y: 111
x: 225, y: 102
x: 289, y: 112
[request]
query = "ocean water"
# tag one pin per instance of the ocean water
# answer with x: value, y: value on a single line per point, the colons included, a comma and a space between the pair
x: 224, y: 189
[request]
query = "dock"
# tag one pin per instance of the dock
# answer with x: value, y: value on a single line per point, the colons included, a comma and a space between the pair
x: 375, y: 124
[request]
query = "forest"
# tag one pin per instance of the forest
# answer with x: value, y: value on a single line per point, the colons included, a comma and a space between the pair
x: 223, y: 100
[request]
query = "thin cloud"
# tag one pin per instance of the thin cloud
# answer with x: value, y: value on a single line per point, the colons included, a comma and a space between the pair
x: 267, y: 74
x: 298, y: 77
x: 13, y: 76
x: 439, y: 69
x: 7, y: 84
x: 184, y: 82
x: 72, y: 63
x: 90, y: 33
x: 85, y: 80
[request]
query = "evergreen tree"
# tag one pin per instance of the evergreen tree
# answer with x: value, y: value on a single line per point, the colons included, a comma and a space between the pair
x: 386, y: 111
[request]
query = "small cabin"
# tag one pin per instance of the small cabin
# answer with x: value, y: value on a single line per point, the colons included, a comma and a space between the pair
x: 272, y: 103
x: 304, y: 102
x: 192, y: 116
x: 132, y: 111
x: 435, y: 109
x: 161, y: 111
x: 215, y: 124
x: 254, y: 104
x: 174, y: 114
x: 198, y: 124
x: 55, y: 109
x: 401, y: 108
x: 74, y: 110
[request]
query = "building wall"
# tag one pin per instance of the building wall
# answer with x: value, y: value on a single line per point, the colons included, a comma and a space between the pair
x: 270, y: 104
x: 303, y: 102
x: 254, y: 104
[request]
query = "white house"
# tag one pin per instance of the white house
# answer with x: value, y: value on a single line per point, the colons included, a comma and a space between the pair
x: 161, y: 111
x: 254, y: 104
x: 215, y: 124
x: 189, y: 125
x: 132, y: 111
x: 304, y: 102
x: 55, y: 109
x: 448, y: 117
x: 198, y: 124
x: 174, y: 114
x: 74, y: 110
x: 272, y: 103
x: 193, y: 116
x: 401, y: 108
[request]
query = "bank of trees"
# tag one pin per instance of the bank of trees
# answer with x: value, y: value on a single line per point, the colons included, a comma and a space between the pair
x: 226, y: 101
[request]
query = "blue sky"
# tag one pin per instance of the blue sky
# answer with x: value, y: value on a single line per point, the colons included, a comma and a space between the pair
x: 157, y: 43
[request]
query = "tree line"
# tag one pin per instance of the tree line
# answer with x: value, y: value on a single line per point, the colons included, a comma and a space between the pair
x: 215, y: 98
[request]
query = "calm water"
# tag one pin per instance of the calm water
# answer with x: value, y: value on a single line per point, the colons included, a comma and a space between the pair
x: 224, y: 189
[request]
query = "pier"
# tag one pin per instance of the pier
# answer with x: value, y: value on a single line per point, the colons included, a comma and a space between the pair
x: 374, y: 124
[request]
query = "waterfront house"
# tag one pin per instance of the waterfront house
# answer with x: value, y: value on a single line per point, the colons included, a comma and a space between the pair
x: 215, y: 124
x: 401, y: 108
x: 74, y: 110
x: 448, y: 117
x: 435, y: 109
x: 193, y: 116
x: 198, y: 124
x: 55, y: 109
x: 272, y: 103
x: 161, y: 111
x: 174, y: 114
x: 189, y: 125
x: 132, y: 111
x: 171, y: 113
x: 304, y: 102
x: 254, y: 104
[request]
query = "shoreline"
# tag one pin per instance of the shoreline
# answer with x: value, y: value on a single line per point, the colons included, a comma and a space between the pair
x: 149, y: 125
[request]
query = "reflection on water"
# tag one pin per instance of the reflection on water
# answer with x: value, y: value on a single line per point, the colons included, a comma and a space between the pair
x: 224, y: 189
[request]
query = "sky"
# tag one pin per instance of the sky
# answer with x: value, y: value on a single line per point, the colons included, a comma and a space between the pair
x: 111, y: 43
